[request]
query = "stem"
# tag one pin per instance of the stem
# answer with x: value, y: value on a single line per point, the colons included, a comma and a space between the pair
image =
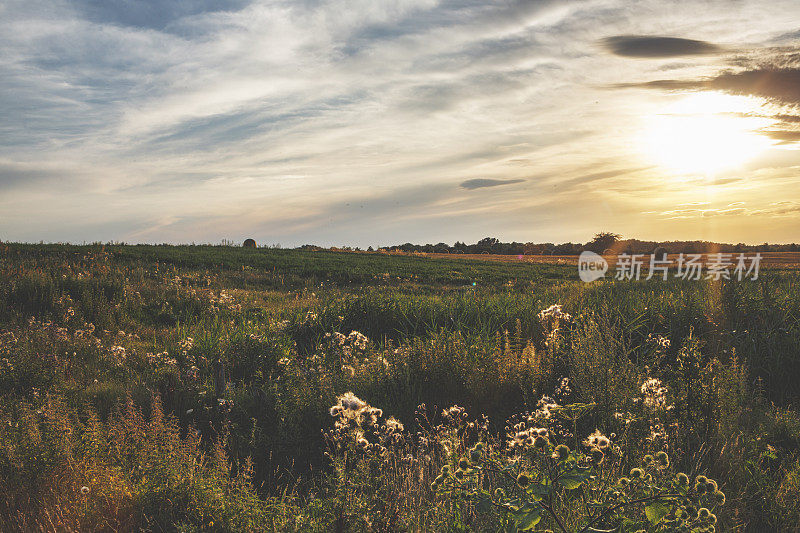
x: 549, y: 509
x: 621, y: 505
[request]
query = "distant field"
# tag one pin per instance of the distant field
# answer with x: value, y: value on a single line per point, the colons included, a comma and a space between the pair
x: 780, y: 260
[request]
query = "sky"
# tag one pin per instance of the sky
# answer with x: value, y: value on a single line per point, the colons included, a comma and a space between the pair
x: 377, y: 122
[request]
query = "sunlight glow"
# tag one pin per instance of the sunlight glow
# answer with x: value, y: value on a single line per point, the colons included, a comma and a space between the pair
x: 705, y: 133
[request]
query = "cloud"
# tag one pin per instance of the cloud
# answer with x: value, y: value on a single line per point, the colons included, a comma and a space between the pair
x: 598, y: 176
x: 784, y: 136
x: 293, y: 120
x: 781, y: 85
x: 737, y: 209
x: 480, y: 183
x: 648, y: 46
x: 150, y: 14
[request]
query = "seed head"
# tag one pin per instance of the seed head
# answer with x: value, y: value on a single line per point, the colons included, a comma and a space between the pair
x: 561, y: 452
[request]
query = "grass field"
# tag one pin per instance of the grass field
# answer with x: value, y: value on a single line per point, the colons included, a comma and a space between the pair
x: 773, y: 260
x: 200, y: 388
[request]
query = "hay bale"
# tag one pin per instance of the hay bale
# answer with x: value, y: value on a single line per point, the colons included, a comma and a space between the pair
x: 249, y: 243
x: 660, y: 253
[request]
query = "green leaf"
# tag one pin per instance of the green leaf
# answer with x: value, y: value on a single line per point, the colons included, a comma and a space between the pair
x: 484, y: 502
x: 528, y: 520
x: 539, y: 489
x: 656, y: 511
x: 574, y: 479
x: 570, y: 482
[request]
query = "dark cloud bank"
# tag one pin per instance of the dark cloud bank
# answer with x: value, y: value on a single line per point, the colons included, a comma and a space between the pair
x: 646, y: 46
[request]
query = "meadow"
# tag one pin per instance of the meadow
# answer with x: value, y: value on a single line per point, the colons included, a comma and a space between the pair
x: 214, y: 388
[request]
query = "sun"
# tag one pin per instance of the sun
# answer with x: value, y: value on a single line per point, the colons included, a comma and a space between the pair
x: 706, y: 133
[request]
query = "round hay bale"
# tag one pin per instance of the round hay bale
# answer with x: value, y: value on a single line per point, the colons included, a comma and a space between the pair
x: 660, y: 253
x: 249, y: 243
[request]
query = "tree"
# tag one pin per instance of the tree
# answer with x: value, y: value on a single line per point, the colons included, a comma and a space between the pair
x: 487, y: 244
x: 602, y: 241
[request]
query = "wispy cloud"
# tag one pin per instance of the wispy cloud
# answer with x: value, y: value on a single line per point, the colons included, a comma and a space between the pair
x: 480, y: 183
x: 194, y: 121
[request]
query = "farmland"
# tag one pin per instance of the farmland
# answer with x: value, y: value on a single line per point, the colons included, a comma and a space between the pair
x: 202, y: 388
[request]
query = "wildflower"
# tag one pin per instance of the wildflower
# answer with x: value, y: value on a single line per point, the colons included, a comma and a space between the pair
x: 637, y: 473
x: 661, y: 343
x: 118, y: 352
x: 561, y: 452
x: 648, y: 459
x: 719, y: 497
x: 545, y: 407
x: 554, y: 312
x: 463, y: 464
x: 541, y: 442
x: 393, y: 425
x: 358, y: 340
x: 453, y: 413
x: 563, y: 390
x: 84, y: 490
x: 663, y: 458
x: 523, y: 480
x: 350, y: 401
x: 655, y: 393
x: 683, y: 479
x: 186, y: 344
x: 703, y: 513
x: 597, y: 440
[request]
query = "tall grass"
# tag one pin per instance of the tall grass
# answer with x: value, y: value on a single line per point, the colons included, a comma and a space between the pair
x: 238, y: 348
